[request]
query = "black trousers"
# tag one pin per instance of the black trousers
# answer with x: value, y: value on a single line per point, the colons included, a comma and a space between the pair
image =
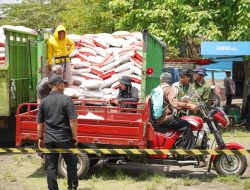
x: 51, y: 161
x: 175, y: 123
x: 229, y: 99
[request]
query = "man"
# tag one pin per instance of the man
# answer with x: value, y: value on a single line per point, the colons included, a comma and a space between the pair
x: 58, y: 49
x: 127, y: 93
x: 229, y: 88
x: 167, y: 120
x: 58, y: 118
x: 246, y: 112
x: 182, y: 88
x: 200, y: 90
x: 43, y: 88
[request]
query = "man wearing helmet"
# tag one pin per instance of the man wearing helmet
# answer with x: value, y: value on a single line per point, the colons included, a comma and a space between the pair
x: 127, y: 93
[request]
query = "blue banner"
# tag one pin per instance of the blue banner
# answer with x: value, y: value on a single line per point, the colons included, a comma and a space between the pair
x: 225, y: 48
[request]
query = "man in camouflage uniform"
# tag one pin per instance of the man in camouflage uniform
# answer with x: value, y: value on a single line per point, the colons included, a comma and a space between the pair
x: 199, y: 88
x: 201, y: 92
x: 182, y: 88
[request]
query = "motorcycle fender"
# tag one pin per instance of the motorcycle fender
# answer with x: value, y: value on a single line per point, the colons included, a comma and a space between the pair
x: 229, y: 146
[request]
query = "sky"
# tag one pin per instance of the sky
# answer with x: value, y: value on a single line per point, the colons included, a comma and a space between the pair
x: 9, y: 1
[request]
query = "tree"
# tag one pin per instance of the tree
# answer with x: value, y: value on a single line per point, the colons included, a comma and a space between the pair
x: 185, y: 23
x: 78, y: 16
x: 88, y: 16
x: 34, y: 13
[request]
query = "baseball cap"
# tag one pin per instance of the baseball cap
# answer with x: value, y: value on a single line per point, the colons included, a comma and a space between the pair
x: 55, y: 78
x: 201, y: 71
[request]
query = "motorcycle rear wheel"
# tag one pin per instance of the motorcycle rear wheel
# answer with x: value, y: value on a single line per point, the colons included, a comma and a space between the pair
x: 223, y: 167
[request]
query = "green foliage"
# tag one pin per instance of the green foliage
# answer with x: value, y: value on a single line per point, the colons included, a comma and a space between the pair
x: 34, y: 13
x: 79, y: 16
x: 88, y: 16
x: 185, y: 23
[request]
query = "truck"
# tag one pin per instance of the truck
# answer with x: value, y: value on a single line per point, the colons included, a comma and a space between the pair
x: 26, y: 53
x: 127, y: 128
x: 135, y: 128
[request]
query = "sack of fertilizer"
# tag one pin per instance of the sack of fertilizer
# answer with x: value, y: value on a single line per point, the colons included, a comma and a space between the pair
x: 92, y: 84
x: 92, y: 94
x: 81, y: 65
x: 138, y: 35
x: 87, y: 51
x: 79, y: 72
x: 2, y: 50
x: 124, y: 67
x: 108, y: 82
x: 74, y: 37
x: 2, y: 56
x: 121, y: 34
x: 72, y: 92
x: 76, y: 80
x: 100, y: 51
x: 117, y: 42
x: 110, y: 66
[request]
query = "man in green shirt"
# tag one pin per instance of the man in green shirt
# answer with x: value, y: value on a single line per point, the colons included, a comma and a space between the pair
x: 200, y: 90
x: 182, y: 88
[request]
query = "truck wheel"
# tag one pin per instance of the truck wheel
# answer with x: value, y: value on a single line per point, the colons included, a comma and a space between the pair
x: 82, y: 166
x: 222, y: 167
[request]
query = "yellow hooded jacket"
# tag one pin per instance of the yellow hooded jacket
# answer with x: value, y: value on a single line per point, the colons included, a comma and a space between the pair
x: 58, y: 48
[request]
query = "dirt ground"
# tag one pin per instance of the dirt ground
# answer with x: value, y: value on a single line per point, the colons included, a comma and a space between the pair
x: 26, y: 172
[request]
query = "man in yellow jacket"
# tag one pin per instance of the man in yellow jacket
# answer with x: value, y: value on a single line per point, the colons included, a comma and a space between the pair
x: 59, y: 48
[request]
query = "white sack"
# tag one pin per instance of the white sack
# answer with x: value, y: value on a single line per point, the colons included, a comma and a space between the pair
x: 74, y: 37
x: 92, y: 84
x: 90, y: 115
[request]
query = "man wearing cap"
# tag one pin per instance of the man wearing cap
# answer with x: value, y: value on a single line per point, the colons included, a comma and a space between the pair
x: 229, y: 88
x: 43, y: 88
x: 127, y: 93
x: 199, y: 88
x: 168, y: 120
x: 57, y: 117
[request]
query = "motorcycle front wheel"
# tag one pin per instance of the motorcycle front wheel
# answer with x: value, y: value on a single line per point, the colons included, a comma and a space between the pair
x: 223, y: 167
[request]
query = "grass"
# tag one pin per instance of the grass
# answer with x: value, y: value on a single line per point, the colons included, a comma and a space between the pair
x: 26, y: 172
x: 187, y: 181
x: 246, y: 184
x: 231, y: 180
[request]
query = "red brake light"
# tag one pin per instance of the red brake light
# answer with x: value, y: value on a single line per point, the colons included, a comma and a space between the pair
x: 150, y: 71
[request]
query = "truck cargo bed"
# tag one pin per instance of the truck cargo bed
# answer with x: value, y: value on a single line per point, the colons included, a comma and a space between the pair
x: 116, y: 127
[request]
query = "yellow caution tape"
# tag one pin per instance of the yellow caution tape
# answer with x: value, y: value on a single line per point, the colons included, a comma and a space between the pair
x: 127, y: 151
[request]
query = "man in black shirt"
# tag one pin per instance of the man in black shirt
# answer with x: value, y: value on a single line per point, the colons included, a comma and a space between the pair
x: 58, y: 118
x: 127, y: 93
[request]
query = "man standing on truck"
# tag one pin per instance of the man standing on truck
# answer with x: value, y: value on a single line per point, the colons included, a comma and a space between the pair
x: 59, y: 48
x: 168, y: 120
x: 229, y: 88
x: 58, y: 118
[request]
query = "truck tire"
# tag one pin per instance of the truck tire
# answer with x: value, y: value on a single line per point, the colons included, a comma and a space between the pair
x: 83, y: 166
x: 222, y: 167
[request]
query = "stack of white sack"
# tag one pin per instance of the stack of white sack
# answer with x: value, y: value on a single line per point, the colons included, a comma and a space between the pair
x: 100, y: 60
x: 2, y: 38
x: 2, y: 46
